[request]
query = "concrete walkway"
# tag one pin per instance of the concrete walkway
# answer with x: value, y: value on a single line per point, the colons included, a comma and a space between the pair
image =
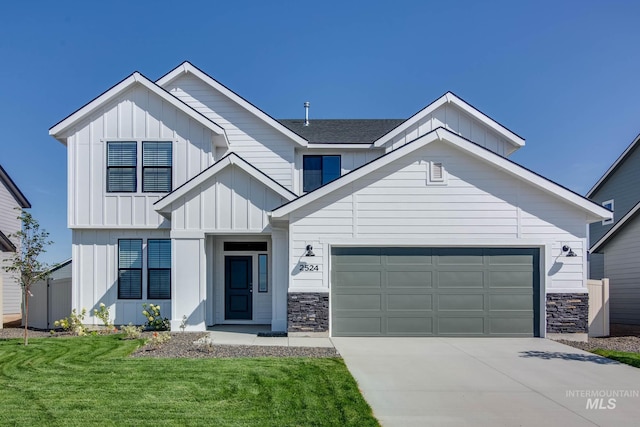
x: 490, y: 382
x: 248, y: 335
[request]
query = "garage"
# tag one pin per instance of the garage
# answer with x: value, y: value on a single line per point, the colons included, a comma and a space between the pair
x: 402, y: 291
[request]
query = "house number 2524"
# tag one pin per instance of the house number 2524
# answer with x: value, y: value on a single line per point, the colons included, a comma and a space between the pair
x: 309, y: 267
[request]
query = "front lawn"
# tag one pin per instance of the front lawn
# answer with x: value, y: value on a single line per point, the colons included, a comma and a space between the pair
x: 91, y: 381
x: 632, y: 359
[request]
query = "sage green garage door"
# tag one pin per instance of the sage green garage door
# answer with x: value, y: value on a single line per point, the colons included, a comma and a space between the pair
x: 435, y: 292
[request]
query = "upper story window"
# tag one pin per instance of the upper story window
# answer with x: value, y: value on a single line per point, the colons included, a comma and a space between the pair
x: 121, y: 167
x: 156, y: 167
x: 608, y: 205
x: 319, y: 170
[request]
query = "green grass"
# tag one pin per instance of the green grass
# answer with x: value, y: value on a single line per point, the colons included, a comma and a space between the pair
x: 632, y: 359
x: 91, y: 381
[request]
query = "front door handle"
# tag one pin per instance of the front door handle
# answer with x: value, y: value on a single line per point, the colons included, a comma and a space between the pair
x: 250, y: 287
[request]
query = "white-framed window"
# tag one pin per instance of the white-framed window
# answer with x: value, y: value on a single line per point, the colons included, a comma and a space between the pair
x: 156, y: 167
x: 122, y: 157
x: 123, y: 170
x: 608, y: 205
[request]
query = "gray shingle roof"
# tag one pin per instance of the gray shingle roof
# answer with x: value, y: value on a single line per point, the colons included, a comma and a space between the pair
x: 341, y: 131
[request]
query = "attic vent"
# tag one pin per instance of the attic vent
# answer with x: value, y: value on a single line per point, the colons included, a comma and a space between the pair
x: 437, y: 172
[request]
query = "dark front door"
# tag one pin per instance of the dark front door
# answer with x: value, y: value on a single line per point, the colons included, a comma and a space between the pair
x: 238, y: 288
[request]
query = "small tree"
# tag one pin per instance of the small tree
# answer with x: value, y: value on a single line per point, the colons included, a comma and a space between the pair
x: 32, y: 243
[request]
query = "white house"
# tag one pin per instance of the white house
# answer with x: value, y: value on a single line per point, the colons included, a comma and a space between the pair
x: 184, y: 194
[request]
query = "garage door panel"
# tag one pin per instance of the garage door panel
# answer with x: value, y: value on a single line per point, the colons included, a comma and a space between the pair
x: 511, y: 302
x: 461, y: 302
x: 407, y: 326
x: 510, y: 326
x: 409, y: 279
x: 435, y: 292
x: 359, y: 302
x: 407, y: 302
x: 460, y: 279
x: 358, y: 326
x: 458, y: 325
x: 362, y: 278
x: 510, y: 279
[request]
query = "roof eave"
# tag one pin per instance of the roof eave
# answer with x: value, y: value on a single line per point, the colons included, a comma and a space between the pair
x: 14, y: 190
x: 615, y: 229
x: 613, y: 167
x: 60, y: 129
x: 186, y: 68
x: 514, y: 139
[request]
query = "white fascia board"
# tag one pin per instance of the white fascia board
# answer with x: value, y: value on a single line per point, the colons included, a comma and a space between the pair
x: 596, y: 211
x: 614, y: 230
x: 58, y: 130
x: 516, y: 140
x: 231, y: 159
x: 186, y: 67
x: 613, y: 167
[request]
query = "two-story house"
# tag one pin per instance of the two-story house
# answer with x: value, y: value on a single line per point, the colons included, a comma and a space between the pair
x: 615, y: 242
x: 184, y: 194
x: 11, y: 199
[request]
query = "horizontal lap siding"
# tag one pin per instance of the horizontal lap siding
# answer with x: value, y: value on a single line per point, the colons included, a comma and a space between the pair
x: 622, y: 268
x: 257, y: 142
x: 95, y: 274
x: 9, y: 224
x: 451, y: 117
x: 478, y: 203
x: 137, y: 115
x: 231, y: 201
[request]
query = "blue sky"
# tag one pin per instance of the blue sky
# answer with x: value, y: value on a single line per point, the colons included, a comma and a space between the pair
x: 562, y: 74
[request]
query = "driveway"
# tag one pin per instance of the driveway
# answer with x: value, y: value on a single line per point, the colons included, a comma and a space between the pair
x: 490, y: 382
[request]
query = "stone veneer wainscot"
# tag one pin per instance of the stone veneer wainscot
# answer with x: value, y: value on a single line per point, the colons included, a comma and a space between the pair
x: 567, y: 313
x: 308, y: 312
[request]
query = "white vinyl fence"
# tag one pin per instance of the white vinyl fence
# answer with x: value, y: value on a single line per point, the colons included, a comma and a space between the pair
x: 598, y: 307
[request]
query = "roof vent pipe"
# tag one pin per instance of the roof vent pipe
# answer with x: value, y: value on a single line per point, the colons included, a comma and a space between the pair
x: 306, y: 113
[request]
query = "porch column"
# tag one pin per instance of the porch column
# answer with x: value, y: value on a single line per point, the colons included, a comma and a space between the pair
x: 280, y: 278
x: 188, y: 280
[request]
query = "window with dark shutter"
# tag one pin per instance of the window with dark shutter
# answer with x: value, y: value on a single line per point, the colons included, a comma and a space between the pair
x: 156, y: 167
x: 130, y: 269
x: 159, y: 269
x: 121, y: 167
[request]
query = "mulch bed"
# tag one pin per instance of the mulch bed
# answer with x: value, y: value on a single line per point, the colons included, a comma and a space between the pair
x: 183, y: 345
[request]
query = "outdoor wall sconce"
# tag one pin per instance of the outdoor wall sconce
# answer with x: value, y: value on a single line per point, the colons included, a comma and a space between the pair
x: 570, y: 253
x: 310, y: 251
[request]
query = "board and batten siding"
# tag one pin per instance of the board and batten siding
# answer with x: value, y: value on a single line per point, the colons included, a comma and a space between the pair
x: 623, y: 186
x: 137, y: 115
x: 232, y: 200
x: 251, y: 138
x: 95, y: 274
x: 622, y: 268
x: 456, y: 120
x: 479, y: 206
x: 9, y: 224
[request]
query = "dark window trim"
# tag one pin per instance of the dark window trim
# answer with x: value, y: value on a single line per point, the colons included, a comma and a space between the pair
x: 131, y: 269
x: 321, y: 156
x: 158, y: 167
x: 149, y: 269
x: 134, y: 167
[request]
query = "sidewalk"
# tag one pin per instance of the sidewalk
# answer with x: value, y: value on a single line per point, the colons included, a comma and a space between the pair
x: 248, y: 335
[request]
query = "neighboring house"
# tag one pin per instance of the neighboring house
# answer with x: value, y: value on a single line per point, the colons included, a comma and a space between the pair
x: 615, y: 243
x: 184, y: 194
x: 11, y: 198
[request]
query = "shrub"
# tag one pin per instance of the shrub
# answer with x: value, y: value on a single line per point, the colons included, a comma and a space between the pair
x: 155, y: 321
x: 131, y: 332
x: 158, y: 338
x: 102, y: 313
x: 73, y: 323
